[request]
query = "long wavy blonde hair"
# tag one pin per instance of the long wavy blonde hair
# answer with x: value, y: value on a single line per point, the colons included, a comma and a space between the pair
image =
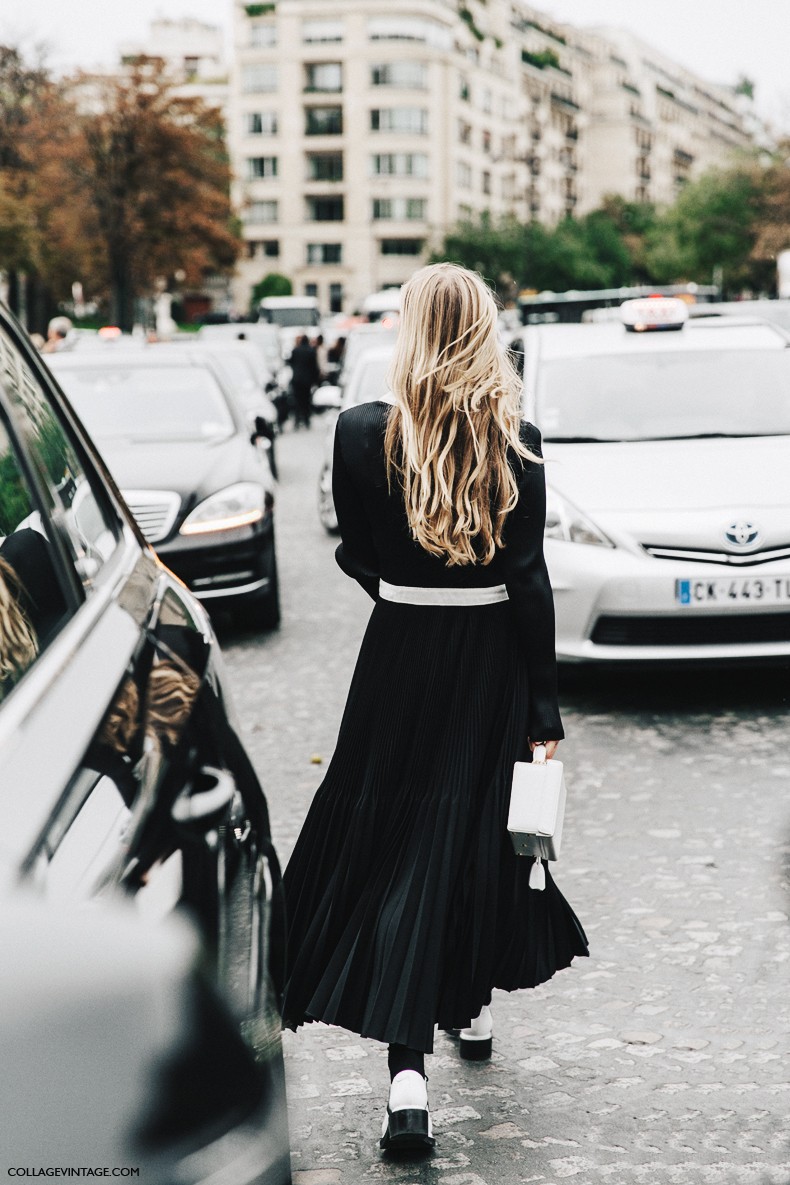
x: 18, y: 644
x: 457, y: 413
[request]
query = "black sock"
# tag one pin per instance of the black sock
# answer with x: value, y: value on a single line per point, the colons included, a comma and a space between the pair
x: 400, y: 1057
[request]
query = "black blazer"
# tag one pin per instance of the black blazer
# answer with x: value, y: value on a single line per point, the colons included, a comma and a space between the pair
x: 377, y: 543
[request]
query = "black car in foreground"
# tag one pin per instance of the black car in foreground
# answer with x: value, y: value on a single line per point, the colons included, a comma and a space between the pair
x: 192, y: 465
x: 122, y: 777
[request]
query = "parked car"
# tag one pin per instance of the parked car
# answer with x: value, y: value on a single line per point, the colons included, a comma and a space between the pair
x: 122, y: 775
x: 264, y: 337
x: 668, y: 467
x: 368, y: 381
x: 245, y: 373
x: 193, y: 472
x: 118, y: 1051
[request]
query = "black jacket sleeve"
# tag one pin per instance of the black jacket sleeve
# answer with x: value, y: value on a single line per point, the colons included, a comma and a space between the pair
x: 357, y: 554
x: 529, y: 591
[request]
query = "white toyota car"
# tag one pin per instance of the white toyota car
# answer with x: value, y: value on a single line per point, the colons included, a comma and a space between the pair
x: 667, y: 445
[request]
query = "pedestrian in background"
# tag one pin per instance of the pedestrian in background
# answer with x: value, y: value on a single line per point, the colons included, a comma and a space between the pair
x: 304, y: 377
x: 322, y: 356
x: 334, y: 357
x: 58, y: 335
x: 407, y: 904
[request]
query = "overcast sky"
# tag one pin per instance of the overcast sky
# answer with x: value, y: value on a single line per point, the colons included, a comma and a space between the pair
x: 720, y: 39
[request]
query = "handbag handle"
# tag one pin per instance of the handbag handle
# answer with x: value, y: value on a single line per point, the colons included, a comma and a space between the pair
x: 539, y: 755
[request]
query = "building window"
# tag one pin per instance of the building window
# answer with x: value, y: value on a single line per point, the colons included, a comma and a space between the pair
x: 320, y: 32
x: 488, y: 101
x: 401, y: 28
x: 464, y: 91
x: 324, y: 252
x: 263, y: 35
x: 486, y: 182
x: 323, y: 121
x: 311, y: 290
x: 260, y: 78
x: 336, y: 298
x: 261, y: 212
x: 325, y: 166
x: 399, y: 164
x: 463, y: 175
x: 261, y: 123
x: 261, y: 167
x: 324, y: 77
x: 412, y: 120
x: 325, y: 209
x: 401, y: 246
x: 399, y: 209
x: 487, y: 143
x: 265, y: 247
x: 400, y: 75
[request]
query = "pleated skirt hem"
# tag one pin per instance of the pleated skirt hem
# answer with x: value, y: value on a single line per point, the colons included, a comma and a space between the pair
x: 407, y: 903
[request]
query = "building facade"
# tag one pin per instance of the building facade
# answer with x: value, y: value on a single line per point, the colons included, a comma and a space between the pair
x: 359, y: 135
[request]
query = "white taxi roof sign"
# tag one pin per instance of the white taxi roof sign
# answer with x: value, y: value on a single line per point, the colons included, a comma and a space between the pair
x: 651, y: 313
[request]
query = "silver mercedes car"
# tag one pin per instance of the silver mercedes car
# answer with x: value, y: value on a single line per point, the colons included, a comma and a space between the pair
x: 667, y: 445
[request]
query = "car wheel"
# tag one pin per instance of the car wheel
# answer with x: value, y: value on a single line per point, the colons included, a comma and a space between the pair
x: 326, y: 503
x: 263, y: 612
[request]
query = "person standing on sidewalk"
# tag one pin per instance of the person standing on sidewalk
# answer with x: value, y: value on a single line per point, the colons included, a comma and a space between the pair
x: 407, y: 904
x: 304, y: 376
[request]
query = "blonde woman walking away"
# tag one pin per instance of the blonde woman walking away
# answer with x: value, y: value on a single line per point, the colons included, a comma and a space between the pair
x: 407, y: 905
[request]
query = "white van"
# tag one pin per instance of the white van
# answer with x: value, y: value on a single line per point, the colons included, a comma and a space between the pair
x: 290, y: 312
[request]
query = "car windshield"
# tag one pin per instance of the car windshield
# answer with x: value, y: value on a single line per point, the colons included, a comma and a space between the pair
x: 666, y: 396
x: 370, y: 380
x: 148, y: 403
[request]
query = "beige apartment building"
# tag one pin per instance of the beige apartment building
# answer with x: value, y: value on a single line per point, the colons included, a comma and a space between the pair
x: 359, y: 133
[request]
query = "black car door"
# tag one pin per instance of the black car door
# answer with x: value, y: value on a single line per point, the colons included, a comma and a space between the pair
x: 120, y: 767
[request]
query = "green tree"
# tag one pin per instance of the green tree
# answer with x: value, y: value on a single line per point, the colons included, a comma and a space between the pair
x: 710, y: 231
x: 272, y: 284
x: 633, y: 221
x: 494, y: 248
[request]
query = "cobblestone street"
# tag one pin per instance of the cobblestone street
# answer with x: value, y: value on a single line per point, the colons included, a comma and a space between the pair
x: 663, y: 1058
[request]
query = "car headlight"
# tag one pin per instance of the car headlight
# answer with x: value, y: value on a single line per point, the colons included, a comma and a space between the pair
x: 564, y: 521
x: 236, y: 506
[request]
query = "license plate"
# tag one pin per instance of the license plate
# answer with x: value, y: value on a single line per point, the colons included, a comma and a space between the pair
x: 733, y: 590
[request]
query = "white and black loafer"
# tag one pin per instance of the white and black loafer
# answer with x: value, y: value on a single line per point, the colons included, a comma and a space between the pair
x: 407, y: 1123
x: 476, y: 1041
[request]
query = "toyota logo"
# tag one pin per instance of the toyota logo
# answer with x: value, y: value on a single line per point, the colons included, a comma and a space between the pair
x: 742, y: 534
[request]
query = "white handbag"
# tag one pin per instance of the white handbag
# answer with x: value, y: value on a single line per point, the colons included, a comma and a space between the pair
x: 537, y: 810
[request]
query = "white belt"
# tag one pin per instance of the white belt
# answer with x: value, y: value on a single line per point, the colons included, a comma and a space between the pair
x: 404, y: 594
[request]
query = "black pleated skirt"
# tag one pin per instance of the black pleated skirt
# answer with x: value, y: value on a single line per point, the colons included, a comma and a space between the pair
x: 406, y: 902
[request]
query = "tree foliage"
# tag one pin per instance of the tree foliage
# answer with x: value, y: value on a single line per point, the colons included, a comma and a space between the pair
x: 710, y: 232
x: 272, y: 284
x: 114, y: 181
x: 154, y: 174
x: 726, y: 228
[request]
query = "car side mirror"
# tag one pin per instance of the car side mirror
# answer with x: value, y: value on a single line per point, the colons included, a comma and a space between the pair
x: 205, y: 803
x: 263, y: 429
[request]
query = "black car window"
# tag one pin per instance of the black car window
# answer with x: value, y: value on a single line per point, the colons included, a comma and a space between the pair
x: 33, y: 603
x: 80, y: 514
